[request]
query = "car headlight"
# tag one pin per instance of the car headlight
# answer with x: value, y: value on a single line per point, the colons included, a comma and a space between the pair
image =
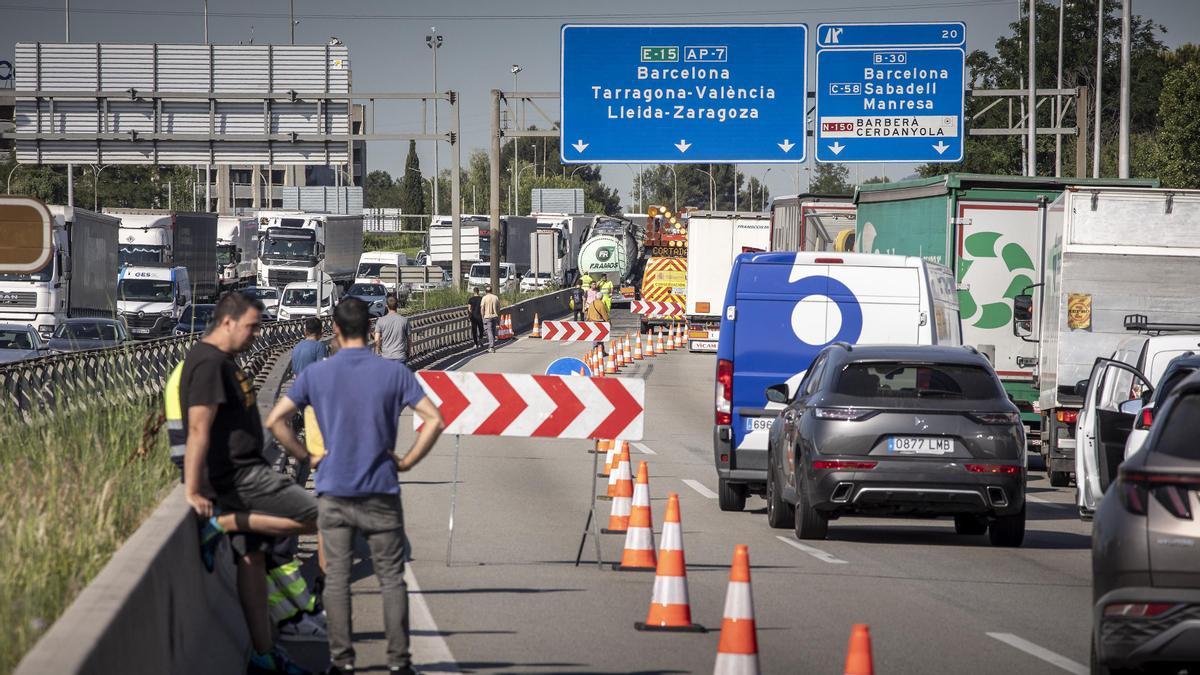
x: 166, y: 312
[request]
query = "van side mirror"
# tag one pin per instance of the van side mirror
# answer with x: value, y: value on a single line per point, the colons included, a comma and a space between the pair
x: 778, y: 393
x: 1131, y: 407
x: 1022, y: 325
x: 1081, y: 388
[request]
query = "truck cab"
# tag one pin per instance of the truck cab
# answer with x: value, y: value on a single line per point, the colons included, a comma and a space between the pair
x: 296, y: 246
x: 237, y: 251
x: 151, y: 298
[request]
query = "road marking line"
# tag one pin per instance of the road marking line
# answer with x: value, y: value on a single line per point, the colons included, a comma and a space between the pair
x: 699, y: 487
x: 1039, y: 500
x: 429, y: 643
x: 643, y: 449
x: 1041, y: 653
x: 814, y: 552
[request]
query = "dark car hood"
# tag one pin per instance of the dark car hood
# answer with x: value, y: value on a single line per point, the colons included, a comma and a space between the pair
x: 65, y: 345
x: 13, y: 355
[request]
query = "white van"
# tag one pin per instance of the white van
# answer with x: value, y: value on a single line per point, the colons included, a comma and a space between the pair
x: 481, y: 275
x: 300, y: 300
x: 380, y: 266
x: 151, y: 298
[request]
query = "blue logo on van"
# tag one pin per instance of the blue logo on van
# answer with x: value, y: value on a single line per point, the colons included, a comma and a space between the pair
x: 847, y: 303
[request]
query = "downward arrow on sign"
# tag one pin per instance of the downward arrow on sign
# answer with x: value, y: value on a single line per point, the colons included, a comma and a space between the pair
x: 683, y: 145
x: 837, y: 148
x: 941, y: 147
x: 786, y: 145
x: 579, y: 145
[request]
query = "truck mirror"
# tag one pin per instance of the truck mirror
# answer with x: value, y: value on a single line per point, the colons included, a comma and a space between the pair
x: 778, y: 393
x: 1022, y: 325
x: 1081, y: 388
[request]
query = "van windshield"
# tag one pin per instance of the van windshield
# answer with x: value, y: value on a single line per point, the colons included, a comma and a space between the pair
x: 146, y: 290
x: 900, y: 382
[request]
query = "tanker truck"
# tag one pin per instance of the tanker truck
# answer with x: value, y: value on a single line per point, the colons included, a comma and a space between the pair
x: 613, y: 247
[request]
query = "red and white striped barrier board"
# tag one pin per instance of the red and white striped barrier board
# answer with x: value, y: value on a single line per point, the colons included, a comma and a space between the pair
x: 656, y: 309
x: 548, y: 406
x: 574, y: 331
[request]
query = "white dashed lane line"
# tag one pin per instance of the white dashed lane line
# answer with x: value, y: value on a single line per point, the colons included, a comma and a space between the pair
x: 641, y: 447
x: 814, y: 552
x: 433, y: 654
x: 1039, y: 500
x: 1040, y: 652
x: 699, y: 487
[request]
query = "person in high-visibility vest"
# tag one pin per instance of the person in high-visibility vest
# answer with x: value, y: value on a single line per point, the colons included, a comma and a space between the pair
x: 606, y: 290
x: 587, y: 280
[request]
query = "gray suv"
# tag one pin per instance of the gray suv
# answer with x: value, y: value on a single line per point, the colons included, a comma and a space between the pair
x: 894, y: 430
x: 1146, y: 548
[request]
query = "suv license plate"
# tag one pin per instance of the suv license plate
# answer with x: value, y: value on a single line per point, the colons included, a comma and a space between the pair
x: 920, y: 445
x: 759, y: 423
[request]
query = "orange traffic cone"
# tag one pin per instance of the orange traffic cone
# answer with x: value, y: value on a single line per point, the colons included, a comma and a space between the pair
x: 637, y: 348
x: 670, y: 339
x: 613, y: 473
x: 669, y: 607
x: 649, y: 344
x: 620, y: 353
x: 610, y: 364
x: 639, y: 535
x: 680, y: 338
x: 537, y: 326
x: 609, y: 448
x: 626, y: 352
x: 858, y: 654
x: 737, y: 652
x: 658, y: 346
x: 598, y: 357
x: 618, y: 519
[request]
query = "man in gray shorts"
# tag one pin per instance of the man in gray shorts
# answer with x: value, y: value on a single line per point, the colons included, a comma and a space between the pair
x: 224, y: 462
x: 391, y: 334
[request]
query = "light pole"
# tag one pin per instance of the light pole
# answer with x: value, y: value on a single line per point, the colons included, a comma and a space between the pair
x: 517, y: 189
x: 96, y: 169
x: 434, y: 42
x: 761, y: 200
x: 515, y: 69
x: 10, y: 173
x: 675, y: 182
x: 712, y: 189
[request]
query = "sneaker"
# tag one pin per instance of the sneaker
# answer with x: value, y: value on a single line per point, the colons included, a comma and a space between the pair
x: 307, y: 629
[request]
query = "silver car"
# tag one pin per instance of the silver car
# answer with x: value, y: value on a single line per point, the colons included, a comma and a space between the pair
x: 19, y: 341
x: 1146, y: 548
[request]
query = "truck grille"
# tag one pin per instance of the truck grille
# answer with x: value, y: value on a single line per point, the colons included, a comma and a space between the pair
x: 281, y: 278
x: 18, y: 299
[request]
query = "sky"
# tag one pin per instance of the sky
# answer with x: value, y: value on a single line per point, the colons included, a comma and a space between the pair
x: 483, y: 39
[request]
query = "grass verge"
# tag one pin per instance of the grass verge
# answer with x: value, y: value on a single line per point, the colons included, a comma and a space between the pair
x: 451, y: 297
x: 71, y: 492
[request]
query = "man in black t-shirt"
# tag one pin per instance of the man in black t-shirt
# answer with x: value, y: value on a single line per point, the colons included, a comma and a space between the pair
x: 224, y: 462
x: 476, y: 316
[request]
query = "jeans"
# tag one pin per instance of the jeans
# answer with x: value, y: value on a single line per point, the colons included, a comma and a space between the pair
x: 380, y: 519
x: 491, y: 331
x: 477, y: 330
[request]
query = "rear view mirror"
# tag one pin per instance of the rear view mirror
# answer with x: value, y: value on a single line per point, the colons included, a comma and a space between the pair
x: 1081, y: 388
x: 778, y: 393
x: 1022, y: 325
x: 1131, y: 407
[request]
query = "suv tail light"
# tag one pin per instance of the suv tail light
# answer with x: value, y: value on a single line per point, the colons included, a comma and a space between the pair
x: 844, y: 414
x: 1144, y: 419
x: 842, y: 465
x: 1007, y: 469
x: 1172, y: 491
x: 996, y: 418
x: 724, y: 392
x: 1067, y: 416
x: 1137, y: 609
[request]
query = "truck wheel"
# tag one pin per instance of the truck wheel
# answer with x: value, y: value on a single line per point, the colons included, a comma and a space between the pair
x: 731, y: 496
x: 1008, y: 531
x: 1060, y: 478
x: 780, y: 514
x: 809, y: 523
x: 970, y: 525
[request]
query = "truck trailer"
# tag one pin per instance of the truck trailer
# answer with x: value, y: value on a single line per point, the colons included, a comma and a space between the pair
x: 812, y: 222
x: 159, y: 237
x: 715, y: 239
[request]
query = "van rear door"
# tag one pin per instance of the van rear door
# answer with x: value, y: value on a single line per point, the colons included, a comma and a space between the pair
x: 888, y: 301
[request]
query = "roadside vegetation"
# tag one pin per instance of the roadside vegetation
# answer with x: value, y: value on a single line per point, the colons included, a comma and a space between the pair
x: 450, y: 297
x: 387, y: 241
x: 72, y: 489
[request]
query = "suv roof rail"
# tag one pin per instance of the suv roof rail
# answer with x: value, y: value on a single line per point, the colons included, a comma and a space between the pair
x: 1142, y: 324
x: 844, y: 345
x: 971, y: 349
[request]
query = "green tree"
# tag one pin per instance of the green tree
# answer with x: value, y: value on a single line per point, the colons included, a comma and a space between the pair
x: 1178, y: 143
x: 830, y: 179
x: 412, y: 190
x: 379, y: 191
x: 876, y: 179
x: 705, y: 186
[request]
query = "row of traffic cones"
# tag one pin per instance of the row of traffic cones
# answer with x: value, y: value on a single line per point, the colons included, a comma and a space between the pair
x: 504, y: 331
x: 670, y: 609
x: 621, y: 352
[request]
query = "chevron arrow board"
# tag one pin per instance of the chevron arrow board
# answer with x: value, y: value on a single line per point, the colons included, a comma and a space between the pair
x: 656, y: 309
x: 574, y: 331
x: 545, y: 406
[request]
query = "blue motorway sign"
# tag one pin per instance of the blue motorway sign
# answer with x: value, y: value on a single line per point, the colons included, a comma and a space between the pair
x: 684, y: 93
x: 890, y: 92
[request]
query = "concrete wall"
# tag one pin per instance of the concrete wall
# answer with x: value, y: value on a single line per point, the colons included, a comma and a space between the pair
x: 152, y: 610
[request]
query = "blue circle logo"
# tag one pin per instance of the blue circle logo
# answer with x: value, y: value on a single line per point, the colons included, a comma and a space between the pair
x: 851, y: 318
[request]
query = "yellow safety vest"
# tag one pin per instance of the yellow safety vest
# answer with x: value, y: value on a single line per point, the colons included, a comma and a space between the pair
x: 176, y: 434
x: 313, y: 440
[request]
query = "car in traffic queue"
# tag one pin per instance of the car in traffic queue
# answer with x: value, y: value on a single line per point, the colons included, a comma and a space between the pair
x: 375, y: 295
x: 781, y: 309
x: 1146, y: 548
x: 84, y: 334
x: 19, y: 341
x: 1176, y: 371
x: 480, y: 276
x: 196, y: 318
x: 536, y: 281
x: 898, y: 431
x: 268, y: 296
x: 303, y: 299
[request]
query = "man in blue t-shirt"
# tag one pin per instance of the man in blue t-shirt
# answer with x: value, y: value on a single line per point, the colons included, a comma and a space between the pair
x: 358, y: 397
x: 310, y: 349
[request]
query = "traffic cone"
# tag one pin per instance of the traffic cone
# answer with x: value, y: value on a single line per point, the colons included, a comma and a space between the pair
x: 637, y: 348
x: 610, y: 364
x: 639, y: 535
x: 649, y: 344
x: 609, y: 449
x: 681, y: 337
x: 537, y: 326
x: 622, y: 502
x: 670, y: 339
x: 627, y: 352
x: 620, y: 354
x: 658, y: 346
x: 737, y: 652
x: 669, y: 607
x: 858, y: 654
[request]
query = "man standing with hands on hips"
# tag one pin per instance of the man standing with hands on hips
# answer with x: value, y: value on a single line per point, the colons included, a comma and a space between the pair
x: 358, y: 397
x: 490, y: 306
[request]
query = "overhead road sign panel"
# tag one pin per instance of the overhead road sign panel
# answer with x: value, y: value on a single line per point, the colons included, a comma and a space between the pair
x: 890, y: 92
x: 683, y: 93
x: 25, y: 225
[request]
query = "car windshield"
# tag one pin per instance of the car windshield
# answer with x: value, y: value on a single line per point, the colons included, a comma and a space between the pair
x: 1179, y: 431
x: 300, y: 297
x: 1173, y: 377
x: 481, y: 270
x: 197, y: 315
x: 86, y: 331
x: 43, y: 274
x: 264, y: 293
x: 538, y: 275
x: 380, y: 270
x: 896, y: 381
x: 16, y: 339
x: 145, y: 290
x: 372, y: 290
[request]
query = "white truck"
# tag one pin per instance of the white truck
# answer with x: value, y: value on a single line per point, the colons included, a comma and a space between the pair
x: 1114, y: 258
x: 296, y: 247
x: 77, y: 282
x: 474, y: 242
x: 237, y: 251
x: 151, y: 298
x: 714, y: 240
x: 171, y: 238
x: 381, y: 266
x: 547, y: 253
x: 813, y: 223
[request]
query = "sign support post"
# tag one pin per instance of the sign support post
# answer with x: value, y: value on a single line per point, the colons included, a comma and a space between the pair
x: 453, y: 497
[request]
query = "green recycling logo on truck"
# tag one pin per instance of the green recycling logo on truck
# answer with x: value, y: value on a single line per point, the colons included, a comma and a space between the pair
x: 984, y: 254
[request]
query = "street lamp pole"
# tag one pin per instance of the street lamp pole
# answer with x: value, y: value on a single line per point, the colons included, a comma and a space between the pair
x: 675, y: 182
x: 434, y: 42
x: 762, y: 202
x: 712, y: 189
x: 516, y: 69
x: 10, y: 173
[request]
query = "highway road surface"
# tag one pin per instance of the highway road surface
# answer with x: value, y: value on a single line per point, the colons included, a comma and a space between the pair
x: 513, y: 600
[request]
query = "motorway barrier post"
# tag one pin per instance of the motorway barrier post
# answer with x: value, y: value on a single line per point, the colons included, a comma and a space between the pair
x: 453, y: 498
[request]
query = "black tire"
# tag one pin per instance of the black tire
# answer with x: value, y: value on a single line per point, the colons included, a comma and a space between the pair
x: 809, y: 523
x: 1008, y: 531
x: 1060, y: 478
x: 731, y: 496
x: 780, y: 514
x: 970, y: 525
